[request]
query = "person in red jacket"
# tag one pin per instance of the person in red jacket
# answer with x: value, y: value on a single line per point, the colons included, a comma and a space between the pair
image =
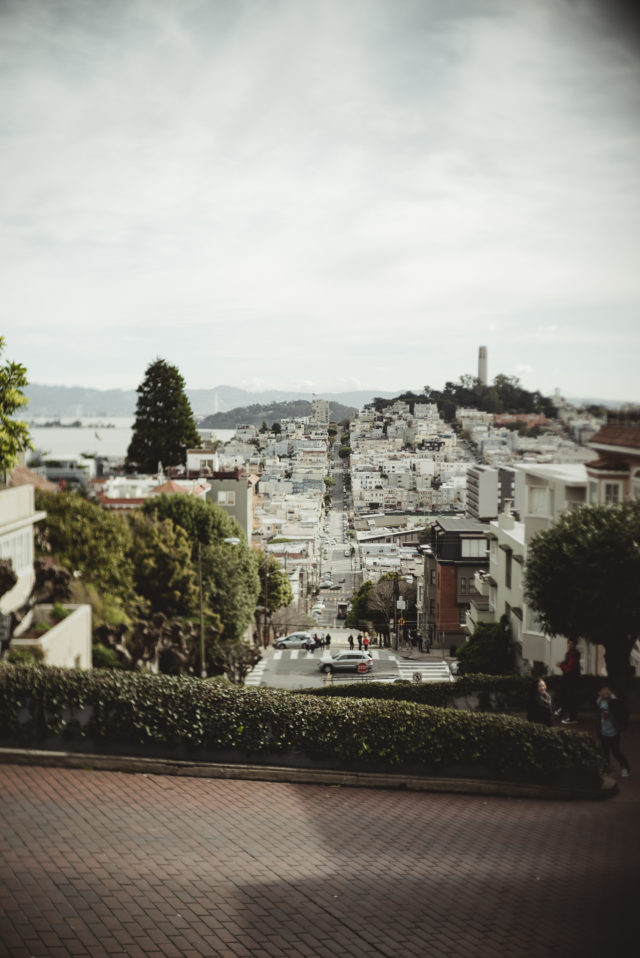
x: 570, y: 689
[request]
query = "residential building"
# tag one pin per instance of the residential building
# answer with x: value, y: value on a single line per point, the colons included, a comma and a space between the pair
x: 614, y: 476
x: 457, y: 551
x: 67, y: 644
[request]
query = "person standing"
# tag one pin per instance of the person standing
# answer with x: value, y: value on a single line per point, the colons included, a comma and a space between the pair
x: 612, y: 720
x: 351, y: 642
x: 327, y: 640
x: 540, y: 709
x: 365, y: 642
x: 570, y: 688
x: 360, y: 641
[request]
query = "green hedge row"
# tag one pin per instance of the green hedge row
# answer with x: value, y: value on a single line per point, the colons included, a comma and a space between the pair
x: 484, y: 693
x: 492, y: 692
x: 48, y: 707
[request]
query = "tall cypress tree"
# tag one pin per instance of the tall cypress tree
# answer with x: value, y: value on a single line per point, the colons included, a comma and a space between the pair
x: 164, y: 427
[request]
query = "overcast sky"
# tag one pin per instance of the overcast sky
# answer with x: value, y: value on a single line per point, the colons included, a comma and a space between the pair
x: 321, y: 194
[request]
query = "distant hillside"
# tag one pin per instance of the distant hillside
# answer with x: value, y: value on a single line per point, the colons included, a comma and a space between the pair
x: 61, y: 402
x: 258, y: 413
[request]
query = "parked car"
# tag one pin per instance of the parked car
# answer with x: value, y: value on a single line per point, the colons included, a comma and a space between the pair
x: 346, y: 661
x: 297, y: 640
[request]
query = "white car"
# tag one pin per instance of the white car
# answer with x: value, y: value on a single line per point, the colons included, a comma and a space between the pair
x: 297, y: 640
x: 347, y: 661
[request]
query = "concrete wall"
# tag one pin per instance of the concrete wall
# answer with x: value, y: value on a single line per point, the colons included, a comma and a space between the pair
x: 67, y: 644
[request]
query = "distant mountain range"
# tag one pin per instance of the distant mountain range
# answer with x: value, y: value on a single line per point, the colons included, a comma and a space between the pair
x: 62, y: 402
x: 257, y: 413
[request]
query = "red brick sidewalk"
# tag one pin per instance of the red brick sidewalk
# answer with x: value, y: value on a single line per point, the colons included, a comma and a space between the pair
x: 108, y: 864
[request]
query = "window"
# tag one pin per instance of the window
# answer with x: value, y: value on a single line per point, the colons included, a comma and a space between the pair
x: 463, y: 586
x: 508, y: 559
x: 433, y: 577
x: 226, y: 498
x: 611, y: 493
x: 538, y: 501
x: 473, y: 548
x: 18, y: 546
x: 593, y: 493
x: 462, y: 614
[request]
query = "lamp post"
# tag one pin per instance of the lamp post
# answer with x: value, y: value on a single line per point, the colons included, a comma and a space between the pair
x: 203, y: 666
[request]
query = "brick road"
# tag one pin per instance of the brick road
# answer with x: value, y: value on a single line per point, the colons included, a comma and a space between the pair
x: 105, y: 863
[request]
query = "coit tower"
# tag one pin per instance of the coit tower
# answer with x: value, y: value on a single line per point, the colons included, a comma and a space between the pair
x: 482, y: 365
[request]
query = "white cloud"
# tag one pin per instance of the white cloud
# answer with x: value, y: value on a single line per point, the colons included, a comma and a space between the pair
x: 321, y: 190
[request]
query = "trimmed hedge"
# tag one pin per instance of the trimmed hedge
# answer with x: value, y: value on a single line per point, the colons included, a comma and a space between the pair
x: 483, y: 693
x: 490, y: 692
x: 108, y: 710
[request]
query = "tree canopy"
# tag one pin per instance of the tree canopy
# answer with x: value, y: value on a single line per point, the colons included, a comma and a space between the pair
x: 490, y: 650
x: 164, y: 426
x: 582, y: 580
x: 14, y: 434
x: 229, y: 570
x: 505, y: 394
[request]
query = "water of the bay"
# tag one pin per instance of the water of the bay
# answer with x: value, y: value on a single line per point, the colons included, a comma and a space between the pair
x: 97, y: 436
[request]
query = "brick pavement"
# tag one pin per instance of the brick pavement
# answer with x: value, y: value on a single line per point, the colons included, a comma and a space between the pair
x: 105, y: 863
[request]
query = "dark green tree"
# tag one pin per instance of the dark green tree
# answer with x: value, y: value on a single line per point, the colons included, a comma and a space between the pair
x: 14, y: 435
x: 275, y: 588
x: 229, y: 570
x: 163, y: 571
x: 582, y: 580
x: 490, y: 650
x: 93, y: 544
x: 359, y: 611
x: 164, y: 426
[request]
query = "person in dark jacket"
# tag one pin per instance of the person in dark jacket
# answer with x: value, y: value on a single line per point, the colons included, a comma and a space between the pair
x: 612, y: 720
x: 570, y: 688
x: 540, y: 709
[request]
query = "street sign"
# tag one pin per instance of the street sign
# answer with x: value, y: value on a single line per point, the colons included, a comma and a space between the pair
x: 363, y: 667
x: 417, y: 676
x: 400, y: 621
x: 401, y: 604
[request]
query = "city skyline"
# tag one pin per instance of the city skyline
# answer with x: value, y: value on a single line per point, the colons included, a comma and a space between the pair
x: 321, y: 196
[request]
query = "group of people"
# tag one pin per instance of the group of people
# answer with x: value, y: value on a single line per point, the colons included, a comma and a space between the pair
x: 320, y: 641
x: 611, y: 713
x: 363, y: 641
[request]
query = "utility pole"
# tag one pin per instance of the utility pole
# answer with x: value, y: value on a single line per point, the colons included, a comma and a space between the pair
x: 203, y: 665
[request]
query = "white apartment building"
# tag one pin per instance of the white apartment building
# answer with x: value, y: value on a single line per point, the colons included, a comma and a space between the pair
x: 543, y: 492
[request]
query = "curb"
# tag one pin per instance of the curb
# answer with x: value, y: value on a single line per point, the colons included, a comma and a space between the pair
x: 301, y: 776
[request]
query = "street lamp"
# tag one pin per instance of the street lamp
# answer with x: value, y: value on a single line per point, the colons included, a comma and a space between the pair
x: 203, y: 666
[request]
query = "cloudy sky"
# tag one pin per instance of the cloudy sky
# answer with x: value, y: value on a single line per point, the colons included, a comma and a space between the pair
x: 321, y: 194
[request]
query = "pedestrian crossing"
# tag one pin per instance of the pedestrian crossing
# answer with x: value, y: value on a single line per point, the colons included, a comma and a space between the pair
x: 255, y: 675
x: 436, y: 670
x: 386, y: 667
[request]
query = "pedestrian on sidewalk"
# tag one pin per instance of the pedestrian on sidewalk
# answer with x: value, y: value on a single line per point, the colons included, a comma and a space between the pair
x: 365, y: 642
x: 360, y: 641
x: 570, y: 685
x: 540, y: 709
x: 351, y: 642
x: 327, y: 640
x: 613, y: 718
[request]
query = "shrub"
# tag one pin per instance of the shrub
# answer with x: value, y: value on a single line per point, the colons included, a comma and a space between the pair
x: 490, y: 650
x: 116, y: 709
x: 27, y: 655
x: 59, y: 612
